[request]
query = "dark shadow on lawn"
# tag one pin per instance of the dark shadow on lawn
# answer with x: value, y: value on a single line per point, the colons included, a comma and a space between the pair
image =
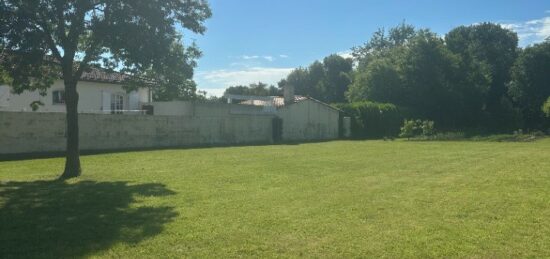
x: 55, y: 154
x: 54, y: 219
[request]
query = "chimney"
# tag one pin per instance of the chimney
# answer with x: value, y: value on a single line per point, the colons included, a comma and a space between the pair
x: 288, y: 93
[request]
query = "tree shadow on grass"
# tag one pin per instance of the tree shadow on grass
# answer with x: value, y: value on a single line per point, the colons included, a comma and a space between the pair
x: 53, y: 219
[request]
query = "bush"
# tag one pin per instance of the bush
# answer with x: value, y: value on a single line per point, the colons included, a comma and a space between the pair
x: 372, y: 120
x: 546, y: 108
x: 417, y: 128
x: 408, y: 129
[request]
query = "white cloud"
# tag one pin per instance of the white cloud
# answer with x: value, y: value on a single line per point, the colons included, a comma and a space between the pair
x: 345, y: 54
x: 214, y: 91
x: 283, y: 56
x: 246, y: 57
x: 256, y: 57
x: 530, y: 32
x: 215, y: 80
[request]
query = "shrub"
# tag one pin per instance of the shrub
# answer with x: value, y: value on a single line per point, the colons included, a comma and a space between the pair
x: 428, y: 128
x: 417, y: 128
x: 546, y: 108
x: 408, y: 129
x: 372, y: 120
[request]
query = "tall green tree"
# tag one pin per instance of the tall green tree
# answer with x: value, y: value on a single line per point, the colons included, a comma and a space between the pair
x: 384, y: 43
x: 337, y: 78
x: 490, y: 47
x: 530, y: 85
x: 42, y: 39
x: 327, y: 80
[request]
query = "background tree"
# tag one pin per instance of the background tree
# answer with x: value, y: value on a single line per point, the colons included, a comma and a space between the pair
x: 256, y: 89
x: 413, y: 70
x: 336, y: 80
x: 383, y: 44
x: 327, y: 81
x: 530, y: 86
x: 43, y: 39
x: 450, y: 81
x: 494, y: 49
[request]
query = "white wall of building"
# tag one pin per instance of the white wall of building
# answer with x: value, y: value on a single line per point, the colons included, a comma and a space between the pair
x: 95, y: 97
x: 309, y: 120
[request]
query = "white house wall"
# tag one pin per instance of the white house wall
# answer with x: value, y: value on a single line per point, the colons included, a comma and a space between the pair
x: 309, y: 120
x: 90, y: 101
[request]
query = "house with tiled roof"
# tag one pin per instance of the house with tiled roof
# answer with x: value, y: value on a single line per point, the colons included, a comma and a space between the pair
x: 100, y: 91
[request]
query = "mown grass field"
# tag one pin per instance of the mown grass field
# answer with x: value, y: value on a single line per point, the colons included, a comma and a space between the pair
x: 335, y: 199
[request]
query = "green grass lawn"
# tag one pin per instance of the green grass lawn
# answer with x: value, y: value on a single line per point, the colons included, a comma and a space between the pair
x: 335, y: 199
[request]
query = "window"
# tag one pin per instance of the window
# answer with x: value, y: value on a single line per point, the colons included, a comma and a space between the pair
x: 58, y: 97
x: 117, y: 103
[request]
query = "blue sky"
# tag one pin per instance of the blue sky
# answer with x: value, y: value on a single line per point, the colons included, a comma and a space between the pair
x: 263, y: 40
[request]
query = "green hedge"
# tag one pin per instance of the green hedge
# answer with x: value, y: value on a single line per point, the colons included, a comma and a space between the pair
x: 372, y: 120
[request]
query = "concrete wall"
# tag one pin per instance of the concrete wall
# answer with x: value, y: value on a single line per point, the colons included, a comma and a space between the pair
x: 185, y: 108
x: 28, y: 132
x: 91, y: 100
x: 309, y: 120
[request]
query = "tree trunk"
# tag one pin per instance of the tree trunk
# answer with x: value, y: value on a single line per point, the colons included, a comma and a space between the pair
x: 72, y: 162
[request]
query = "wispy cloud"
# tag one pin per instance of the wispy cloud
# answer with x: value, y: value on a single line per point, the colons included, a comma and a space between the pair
x: 214, y: 80
x: 283, y: 56
x: 531, y: 32
x: 246, y: 57
x: 258, y: 57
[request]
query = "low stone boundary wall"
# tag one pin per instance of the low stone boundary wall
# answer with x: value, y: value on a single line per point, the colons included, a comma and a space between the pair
x: 29, y: 132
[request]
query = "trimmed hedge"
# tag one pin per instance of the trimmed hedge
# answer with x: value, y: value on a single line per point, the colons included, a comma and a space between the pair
x: 370, y: 120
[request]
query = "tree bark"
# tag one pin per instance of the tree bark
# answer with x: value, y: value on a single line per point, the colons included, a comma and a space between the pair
x: 72, y: 162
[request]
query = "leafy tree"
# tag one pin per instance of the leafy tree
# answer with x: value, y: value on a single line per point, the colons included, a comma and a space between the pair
x: 381, y: 44
x: 493, y: 49
x: 327, y: 81
x: 530, y: 86
x: 259, y: 89
x: 418, y: 73
x: 379, y: 80
x: 299, y: 78
x: 337, y: 78
x: 43, y: 39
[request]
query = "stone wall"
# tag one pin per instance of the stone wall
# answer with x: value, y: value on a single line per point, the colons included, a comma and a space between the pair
x: 28, y: 132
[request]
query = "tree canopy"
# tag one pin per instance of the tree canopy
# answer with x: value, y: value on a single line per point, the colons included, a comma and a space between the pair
x: 327, y: 81
x: 459, y: 80
x: 44, y: 39
x: 530, y: 85
x: 255, y: 89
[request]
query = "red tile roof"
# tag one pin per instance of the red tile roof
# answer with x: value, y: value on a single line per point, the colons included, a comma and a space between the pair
x: 102, y: 75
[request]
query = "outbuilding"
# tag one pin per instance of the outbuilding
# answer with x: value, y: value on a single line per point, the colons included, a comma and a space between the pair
x: 299, y: 117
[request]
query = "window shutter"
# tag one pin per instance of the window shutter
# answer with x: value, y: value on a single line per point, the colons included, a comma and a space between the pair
x: 106, y: 101
x: 133, y: 101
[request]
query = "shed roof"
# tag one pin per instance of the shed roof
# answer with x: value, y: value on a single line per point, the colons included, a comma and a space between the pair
x: 274, y: 101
